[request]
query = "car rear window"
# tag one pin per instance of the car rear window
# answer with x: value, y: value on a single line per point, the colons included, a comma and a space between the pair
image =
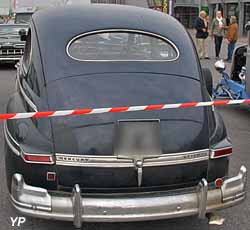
x: 122, y: 46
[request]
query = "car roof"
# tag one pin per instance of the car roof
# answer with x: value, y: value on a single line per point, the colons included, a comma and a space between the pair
x: 55, y: 27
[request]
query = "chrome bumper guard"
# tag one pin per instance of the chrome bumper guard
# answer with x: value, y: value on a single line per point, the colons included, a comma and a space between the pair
x: 38, y: 202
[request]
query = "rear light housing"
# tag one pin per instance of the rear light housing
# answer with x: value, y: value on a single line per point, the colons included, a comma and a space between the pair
x: 38, y: 158
x: 51, y: 176
x: 222, y: 152
x: 218, y: 182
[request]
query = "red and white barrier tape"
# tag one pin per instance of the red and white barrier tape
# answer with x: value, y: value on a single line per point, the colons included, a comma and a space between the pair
x: 88, y: 111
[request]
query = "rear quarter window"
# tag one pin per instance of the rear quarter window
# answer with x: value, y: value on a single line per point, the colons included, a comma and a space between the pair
x: 122, y: 45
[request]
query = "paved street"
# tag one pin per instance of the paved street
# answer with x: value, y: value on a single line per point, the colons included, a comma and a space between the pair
x: 238, y: 126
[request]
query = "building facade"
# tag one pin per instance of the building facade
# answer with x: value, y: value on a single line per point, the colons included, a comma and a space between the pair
x: 141, y: 3
x: 186, y: 11
x: 238, y: 8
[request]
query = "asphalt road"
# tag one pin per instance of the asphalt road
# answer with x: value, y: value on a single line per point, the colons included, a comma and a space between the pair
x: 238, y: 126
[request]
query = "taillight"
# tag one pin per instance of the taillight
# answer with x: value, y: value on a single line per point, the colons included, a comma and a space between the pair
x: 223, y: 152
x: 218, y: 182
x: 37, y: 158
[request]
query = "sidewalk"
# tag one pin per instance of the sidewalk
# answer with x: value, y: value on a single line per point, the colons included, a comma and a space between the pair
x: 242, y: 39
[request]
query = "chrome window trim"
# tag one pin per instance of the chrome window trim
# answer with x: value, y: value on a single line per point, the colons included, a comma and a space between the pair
x: 113, y: 161
x: 123, y: 30
x: 25, y: 96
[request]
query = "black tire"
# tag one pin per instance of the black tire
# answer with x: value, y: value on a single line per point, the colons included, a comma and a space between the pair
x: 208, y: 79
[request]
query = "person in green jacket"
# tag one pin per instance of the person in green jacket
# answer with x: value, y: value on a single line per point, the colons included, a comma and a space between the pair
x: 218, y: 32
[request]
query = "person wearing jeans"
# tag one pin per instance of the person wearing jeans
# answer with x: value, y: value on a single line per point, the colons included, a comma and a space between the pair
x: 218, y: 31
x: 232, y: 37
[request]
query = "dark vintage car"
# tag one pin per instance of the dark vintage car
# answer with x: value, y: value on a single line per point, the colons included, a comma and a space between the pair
x: 11, y: 46
x: 115, y: 167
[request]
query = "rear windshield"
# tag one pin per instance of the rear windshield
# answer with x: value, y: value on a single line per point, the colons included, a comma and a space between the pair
x: 122, y: 46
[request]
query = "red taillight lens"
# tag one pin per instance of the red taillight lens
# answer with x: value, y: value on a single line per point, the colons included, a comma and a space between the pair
x: 51, y: 176
x: 38, y: 158
x: 218, y: 182
x: 217, y: 153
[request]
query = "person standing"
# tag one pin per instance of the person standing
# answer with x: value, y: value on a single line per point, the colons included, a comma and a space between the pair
x: 207, y: 20
x: 218, y: 32
x: 201, y: 26
x: 231, y: 37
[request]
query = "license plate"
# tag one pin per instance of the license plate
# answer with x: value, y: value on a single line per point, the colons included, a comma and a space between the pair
x: 137, y: 139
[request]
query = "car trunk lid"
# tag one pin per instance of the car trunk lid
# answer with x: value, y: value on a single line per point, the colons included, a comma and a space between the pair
x: 123, y: 151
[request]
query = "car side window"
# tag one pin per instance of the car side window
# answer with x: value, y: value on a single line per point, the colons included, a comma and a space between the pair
x: 31, y: 78
x: 29, y: 85
x: 30, y: 71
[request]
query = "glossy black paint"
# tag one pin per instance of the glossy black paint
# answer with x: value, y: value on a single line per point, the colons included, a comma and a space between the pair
x: 114, y: 90
x: 52, y: 80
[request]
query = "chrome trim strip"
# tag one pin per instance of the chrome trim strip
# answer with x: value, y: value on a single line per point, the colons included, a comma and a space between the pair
x: 123, y: 30
x: 7, y: 136
x: 20, y: 204
x: 113, y: 161
x: 90, y: 161
x: 178, y: 158
x: 8, y: 132
x: 26, y: 98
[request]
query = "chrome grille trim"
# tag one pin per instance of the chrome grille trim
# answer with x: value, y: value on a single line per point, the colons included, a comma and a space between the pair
x: 11, y: 51
x: 113, y: 161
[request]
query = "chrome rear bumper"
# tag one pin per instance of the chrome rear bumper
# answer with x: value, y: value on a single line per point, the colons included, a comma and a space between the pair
x: 38, y: 202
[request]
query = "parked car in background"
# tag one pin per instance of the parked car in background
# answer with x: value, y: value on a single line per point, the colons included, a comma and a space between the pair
x: 2, y: 20
x: 115, y: 167
x: 11, y: 46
